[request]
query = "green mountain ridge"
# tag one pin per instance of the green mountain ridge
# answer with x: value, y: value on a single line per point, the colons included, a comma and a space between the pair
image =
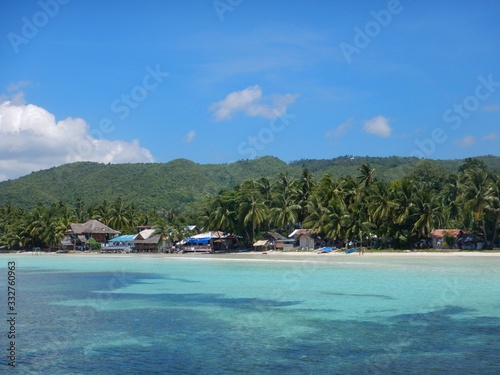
x: 181, y: 181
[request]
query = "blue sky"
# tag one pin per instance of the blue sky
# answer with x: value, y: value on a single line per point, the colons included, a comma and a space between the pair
x: 224, y: 80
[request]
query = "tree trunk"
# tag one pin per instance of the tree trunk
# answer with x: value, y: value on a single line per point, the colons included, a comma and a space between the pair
x: 486, y: 242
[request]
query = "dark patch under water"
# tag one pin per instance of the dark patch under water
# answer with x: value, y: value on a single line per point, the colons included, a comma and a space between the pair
x: 177, y: 335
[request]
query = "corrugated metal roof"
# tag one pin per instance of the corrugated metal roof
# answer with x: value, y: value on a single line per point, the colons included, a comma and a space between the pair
x: 145, y: 234
x: 298, y: 232
x: 261, y: 243
x: 440, y: 232
x: 124, y: 238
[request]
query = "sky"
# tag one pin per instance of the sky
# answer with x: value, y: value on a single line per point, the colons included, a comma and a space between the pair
x: 216, y: 81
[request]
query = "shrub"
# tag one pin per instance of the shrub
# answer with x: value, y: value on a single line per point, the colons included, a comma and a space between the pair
x: 94, y: 245
x: 448, y: 240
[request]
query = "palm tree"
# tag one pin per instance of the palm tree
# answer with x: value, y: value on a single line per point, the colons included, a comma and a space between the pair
x: 285, y: 216
x: 164, y: 229
x: 478, y: 195
x: 253, y: 211
x: 119, y: 215
x: 381, y: 208
x: 81, y: 217
x: 427, y: 212
x: 324, y: 190
x: 304, y: 187
x: 366, y: 175
x: 35, y: 223
x: 265, y: 188
x: 495, y: 208
x: 103, y: 213
x: 221, y: 215
x: 404, y: 200
x: 284, y: 188
x: 327, y: 221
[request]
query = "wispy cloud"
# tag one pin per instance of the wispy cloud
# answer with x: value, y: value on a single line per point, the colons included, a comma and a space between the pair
x: 379, y: 126
x: 490, y: 137
x: 15, y: 96
x: 18, y: 85
x: 260, y: 50
x: 466, y: 141
x: 251, y: 102
x: 491, y: 108
x: 190, y: 136
x: 340, y: 130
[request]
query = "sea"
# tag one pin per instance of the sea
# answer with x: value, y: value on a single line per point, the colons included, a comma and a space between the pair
x: 249, y: 314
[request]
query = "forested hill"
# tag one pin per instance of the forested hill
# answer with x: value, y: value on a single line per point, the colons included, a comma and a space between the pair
x: 180, y: 181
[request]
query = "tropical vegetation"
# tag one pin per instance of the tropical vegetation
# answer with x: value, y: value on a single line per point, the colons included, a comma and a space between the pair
x: 362, y: 207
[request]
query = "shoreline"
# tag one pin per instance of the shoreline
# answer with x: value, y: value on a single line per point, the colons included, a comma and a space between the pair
x: 269, y: 254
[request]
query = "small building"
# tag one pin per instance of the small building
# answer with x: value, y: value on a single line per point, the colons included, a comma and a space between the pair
x: 146, y: 241
x: 303, y: 239
x: 123, y: 243
x: 78, y: 234
x: 203, y: 242
x: 438, y: 240
x: 278, y: 241
x: 208, y: 242
x: 261, y: 245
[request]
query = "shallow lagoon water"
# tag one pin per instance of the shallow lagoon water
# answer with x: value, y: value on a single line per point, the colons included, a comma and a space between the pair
x: 255, y: 314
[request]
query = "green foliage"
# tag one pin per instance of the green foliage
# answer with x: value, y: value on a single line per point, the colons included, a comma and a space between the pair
x: 276, y: 197
x: 94, y: 245
x: 448, y: 240
x: 180, y: 182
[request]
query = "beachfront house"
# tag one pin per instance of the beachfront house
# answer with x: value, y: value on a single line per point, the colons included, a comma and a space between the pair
x: 303, y: 239
x: 261, y: 245
x: 123, y: 243
x: 78, y: 234
x: 208, y: 242
x: 146, y: 241
x: 205, y: 242
x: 278, y: 241
x: 439, y: 241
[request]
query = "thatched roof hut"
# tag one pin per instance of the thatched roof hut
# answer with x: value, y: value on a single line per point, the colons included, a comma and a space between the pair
x: 91, y: 228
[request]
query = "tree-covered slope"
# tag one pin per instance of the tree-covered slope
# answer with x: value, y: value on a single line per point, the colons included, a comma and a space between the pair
x: 173, y: 184
x: 169, y: 184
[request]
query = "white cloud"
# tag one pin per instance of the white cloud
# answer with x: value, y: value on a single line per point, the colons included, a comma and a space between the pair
x: 31, y: 139
x: 251, y: 102
x: 466, y: 141
x: 379, y: 126
x: 190, y: 136
x: 490, y: 137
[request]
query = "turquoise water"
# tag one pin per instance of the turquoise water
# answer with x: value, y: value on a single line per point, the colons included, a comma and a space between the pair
x: 224, y: 314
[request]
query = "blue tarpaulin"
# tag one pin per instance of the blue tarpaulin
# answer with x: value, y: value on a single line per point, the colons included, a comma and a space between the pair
x: 123, y: 238
x: 198, y: 241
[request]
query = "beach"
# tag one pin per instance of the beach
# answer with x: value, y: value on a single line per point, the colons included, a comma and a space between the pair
x: 295, y: 312
x: 278, y: 254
